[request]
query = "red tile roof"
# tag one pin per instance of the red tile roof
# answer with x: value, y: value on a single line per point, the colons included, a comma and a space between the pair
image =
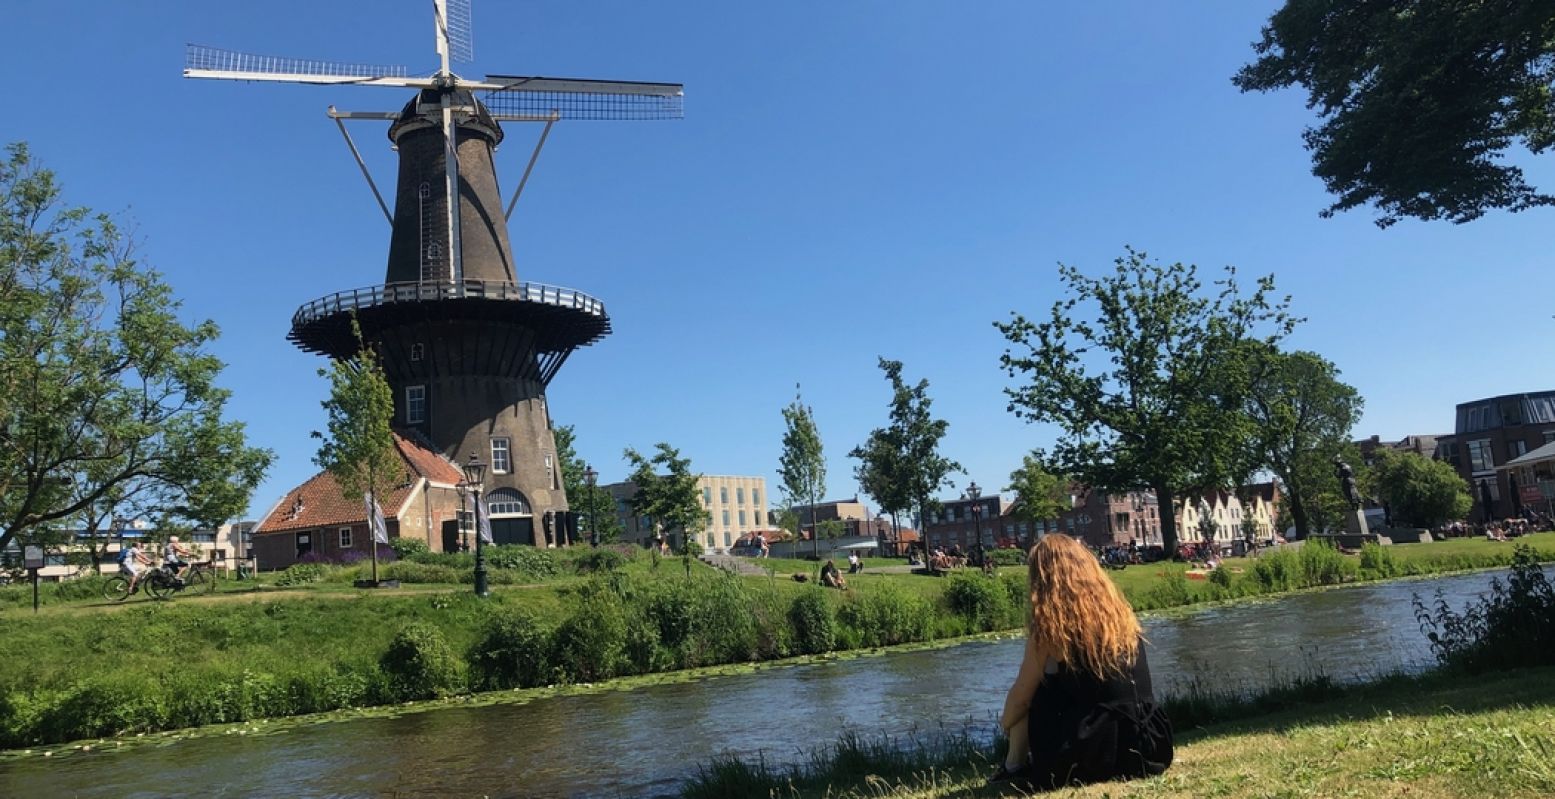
x: 319, y: 502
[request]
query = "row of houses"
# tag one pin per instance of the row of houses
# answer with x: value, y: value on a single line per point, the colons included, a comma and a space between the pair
x: 1107, y: 518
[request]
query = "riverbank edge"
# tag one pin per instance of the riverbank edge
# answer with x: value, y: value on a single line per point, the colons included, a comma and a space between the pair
x: 279, y: 724
x: 959, y: 768
x: 515, y: 696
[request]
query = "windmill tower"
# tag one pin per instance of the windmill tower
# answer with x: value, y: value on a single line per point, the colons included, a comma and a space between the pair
x: 468, y: 348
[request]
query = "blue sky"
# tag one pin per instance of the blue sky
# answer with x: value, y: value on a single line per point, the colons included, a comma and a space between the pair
x: 851, y: 180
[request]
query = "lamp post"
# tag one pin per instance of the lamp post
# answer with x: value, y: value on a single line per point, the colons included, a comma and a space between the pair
x: 475, y: 475
x: 973, y: 493
x: 589, y: 476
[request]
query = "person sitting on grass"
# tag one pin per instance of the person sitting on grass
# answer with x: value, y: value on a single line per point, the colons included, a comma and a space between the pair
x: 1081, y: 709
x: 133, y: 561
x: 831, y: 578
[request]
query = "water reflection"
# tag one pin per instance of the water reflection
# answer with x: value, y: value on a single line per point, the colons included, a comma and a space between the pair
x: 644, y: 742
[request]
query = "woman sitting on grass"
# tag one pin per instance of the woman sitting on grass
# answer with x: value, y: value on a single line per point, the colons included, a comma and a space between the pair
x: 1081, y: 709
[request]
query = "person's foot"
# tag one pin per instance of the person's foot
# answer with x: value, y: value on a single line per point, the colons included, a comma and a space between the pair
x: 1006, y: 774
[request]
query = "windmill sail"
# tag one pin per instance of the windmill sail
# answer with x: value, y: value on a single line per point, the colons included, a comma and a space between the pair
x: 201, y: 61
x: 461, y: 45
x: 525, y: 98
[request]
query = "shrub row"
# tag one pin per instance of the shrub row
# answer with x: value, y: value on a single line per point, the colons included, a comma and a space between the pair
x: 382, y: 650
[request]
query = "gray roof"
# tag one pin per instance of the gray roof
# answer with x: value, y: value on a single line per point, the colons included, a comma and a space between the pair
x: 1544, y: 453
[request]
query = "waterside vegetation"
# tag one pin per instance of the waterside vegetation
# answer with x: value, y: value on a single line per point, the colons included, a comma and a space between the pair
x: 557, y: 617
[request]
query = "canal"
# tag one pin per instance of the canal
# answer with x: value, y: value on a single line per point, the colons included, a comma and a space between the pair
x: 644, y: 742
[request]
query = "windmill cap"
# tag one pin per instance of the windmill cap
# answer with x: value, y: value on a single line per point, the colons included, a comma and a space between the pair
x: 425, y: 109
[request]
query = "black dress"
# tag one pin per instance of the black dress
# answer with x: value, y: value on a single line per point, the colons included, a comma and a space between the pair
x: 1084, y: 728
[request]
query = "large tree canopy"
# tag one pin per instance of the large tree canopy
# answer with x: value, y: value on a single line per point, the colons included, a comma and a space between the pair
x: 106, y: 397
x: 1425, y: 492
x: 1303, y: 414
x: 1150, y: 393
x: 1420, y: 101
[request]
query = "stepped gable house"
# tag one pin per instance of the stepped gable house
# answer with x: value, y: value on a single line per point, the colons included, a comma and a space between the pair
x: 316, y: 521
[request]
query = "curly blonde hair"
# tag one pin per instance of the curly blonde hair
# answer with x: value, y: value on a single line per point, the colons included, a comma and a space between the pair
x: 1077, y: 615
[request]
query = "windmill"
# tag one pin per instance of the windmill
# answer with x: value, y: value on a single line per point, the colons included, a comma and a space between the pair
x: 468, y: 349
x: 507, y: 98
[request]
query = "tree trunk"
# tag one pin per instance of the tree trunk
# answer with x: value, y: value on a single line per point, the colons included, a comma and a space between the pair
x: 1165, y: 507
x: 1298, y: 513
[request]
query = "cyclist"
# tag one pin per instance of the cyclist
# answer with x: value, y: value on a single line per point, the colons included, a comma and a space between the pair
x: 173, y: 558
x: 133, y: 561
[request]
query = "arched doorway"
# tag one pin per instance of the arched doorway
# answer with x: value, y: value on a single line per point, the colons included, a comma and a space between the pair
x: 512, y: 520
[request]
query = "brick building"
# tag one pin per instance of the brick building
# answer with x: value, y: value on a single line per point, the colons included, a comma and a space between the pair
x: 959, y: 522
x: 316, y: 519
x: 1491, y: 432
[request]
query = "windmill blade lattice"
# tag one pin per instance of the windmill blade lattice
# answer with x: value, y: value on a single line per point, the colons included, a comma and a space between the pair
x: 569, y: 98
x: 203, y: 61
x: 461, y: 39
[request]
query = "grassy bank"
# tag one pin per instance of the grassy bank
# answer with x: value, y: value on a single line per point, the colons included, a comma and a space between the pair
x: 1433, y: 736
x: 86, y: 669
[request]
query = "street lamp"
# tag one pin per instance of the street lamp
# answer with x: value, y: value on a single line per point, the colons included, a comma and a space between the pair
x: 973, y: 493
x: 475, y: 475
x: 589, y: 476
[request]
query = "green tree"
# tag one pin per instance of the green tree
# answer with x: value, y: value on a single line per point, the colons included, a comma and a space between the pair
x: 1207, y: 526
x: 879, y: 475
x: 667, y: 493
x: 904, y: 455
x: 1151, y: 393
x: 1249, y: 526
x: 1419, y: 101
x: 1422, y: 491
x: 1040, y: 495
x: 787, y: 520
x: 105, y: 394
x: 1303, y: 414
x: 593, y: 502
x: 802, y: 464
x: 358, y: 448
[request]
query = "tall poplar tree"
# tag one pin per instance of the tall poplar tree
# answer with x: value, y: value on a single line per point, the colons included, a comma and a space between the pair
x: 802, y: 464
x: 1150, y: 392
x: 358, y: 449
x: 903, y: 459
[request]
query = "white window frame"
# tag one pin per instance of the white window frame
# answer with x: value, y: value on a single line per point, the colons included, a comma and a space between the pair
x: 504, y: 463
x: 415, y: 404
x: 343, y: 537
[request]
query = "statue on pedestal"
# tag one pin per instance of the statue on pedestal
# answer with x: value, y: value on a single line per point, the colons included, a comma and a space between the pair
x: 1355, y: 520
x: 1347, y: 483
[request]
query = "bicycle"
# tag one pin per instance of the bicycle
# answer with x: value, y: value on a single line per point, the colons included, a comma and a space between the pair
x: 161, y: 583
